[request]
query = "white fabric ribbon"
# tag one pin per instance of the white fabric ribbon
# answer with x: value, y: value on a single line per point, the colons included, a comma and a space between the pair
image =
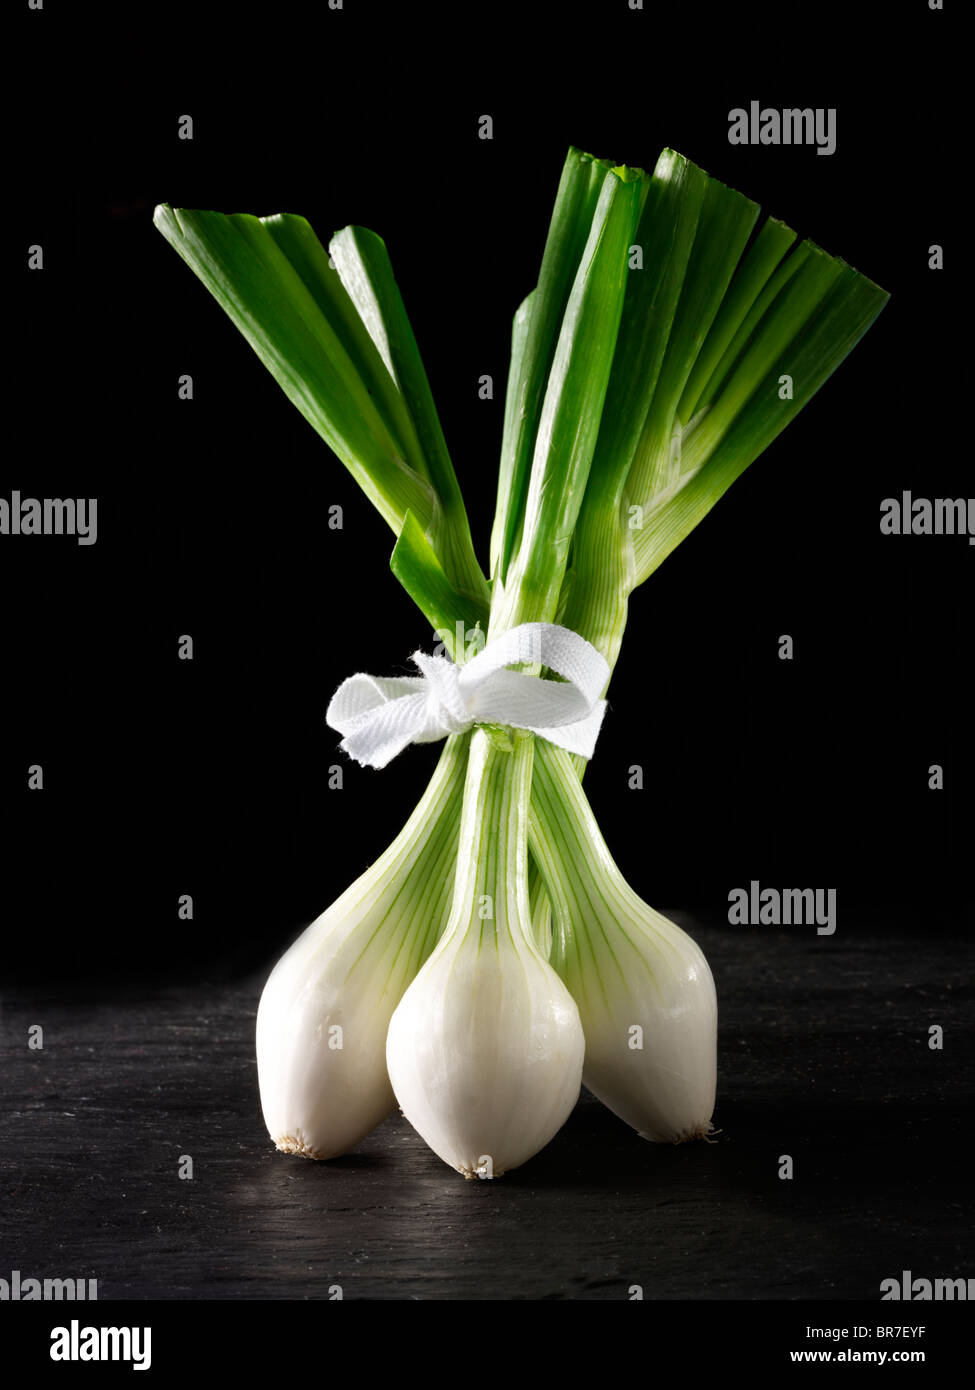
x: 380, y: 715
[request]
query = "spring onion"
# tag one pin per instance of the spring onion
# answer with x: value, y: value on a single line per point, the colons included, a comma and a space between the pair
x: 325, y: 1010
x: 495, y: 956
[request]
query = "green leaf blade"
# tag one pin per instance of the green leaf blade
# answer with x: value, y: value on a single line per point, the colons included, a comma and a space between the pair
x: 823, y: 313
x: 367, y: 274
x: 754, y: 271
x: 572, y: 407
x: 723, y: 226
x: 241, y: 265
x: 415, y: 565
x: 578, y: 194
x: 297, y: 241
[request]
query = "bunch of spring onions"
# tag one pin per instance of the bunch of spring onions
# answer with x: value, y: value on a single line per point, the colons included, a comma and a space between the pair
x: 493, y: 957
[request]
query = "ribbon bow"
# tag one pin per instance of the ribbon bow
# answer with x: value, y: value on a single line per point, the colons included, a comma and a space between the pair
x: 381, y: 715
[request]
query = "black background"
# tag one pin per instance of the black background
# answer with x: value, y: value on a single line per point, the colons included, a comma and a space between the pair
x: 165, y: 777
x: 210, y: 777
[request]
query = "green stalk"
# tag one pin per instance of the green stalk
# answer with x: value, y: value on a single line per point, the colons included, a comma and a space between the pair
x: 570, y: 412
x: 537, y: 331
x: 412, y: 877
x: 492, y: 867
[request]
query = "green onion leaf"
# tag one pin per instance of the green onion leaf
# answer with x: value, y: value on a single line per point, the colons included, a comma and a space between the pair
x: 240, y: 262
x: 572, y: 406
x: 583, y: 178
x: 722, y: 229
x: 367, y: 275
x: 417, y: 568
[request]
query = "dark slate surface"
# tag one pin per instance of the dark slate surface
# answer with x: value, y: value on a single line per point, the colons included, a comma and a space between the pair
x: 823, y: 1055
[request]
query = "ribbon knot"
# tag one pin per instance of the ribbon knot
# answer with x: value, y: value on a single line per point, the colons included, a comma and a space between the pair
x: 445, y: 704
x: 381, y: 715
